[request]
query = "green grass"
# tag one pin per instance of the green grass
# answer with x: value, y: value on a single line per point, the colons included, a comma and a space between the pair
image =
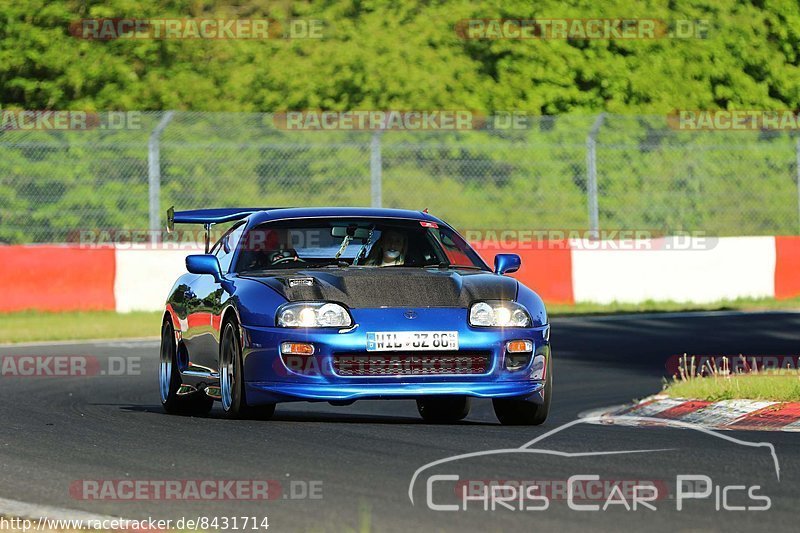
x: 742, y: 304
x: 776, y: 385
x: 32, y: 326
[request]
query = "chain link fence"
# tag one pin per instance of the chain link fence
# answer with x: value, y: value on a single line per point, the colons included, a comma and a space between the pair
x: 549, y: 172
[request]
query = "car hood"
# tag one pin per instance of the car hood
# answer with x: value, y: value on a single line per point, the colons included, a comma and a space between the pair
x: 390, y: 287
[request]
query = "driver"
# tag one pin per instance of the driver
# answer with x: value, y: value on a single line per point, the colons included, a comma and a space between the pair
x: 267, y: 248
x: 280, y: 249
x: 389, y: 250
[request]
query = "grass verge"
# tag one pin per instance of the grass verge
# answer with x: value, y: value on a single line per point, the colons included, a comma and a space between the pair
x: 31, y: 326
x: 737, y: 378
x: 742, y: 304
x: 775, y: 385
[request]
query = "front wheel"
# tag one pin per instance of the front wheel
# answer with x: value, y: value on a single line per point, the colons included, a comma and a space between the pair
x: 515, y: 412
x: 231, y: 379
x: 443, y: 409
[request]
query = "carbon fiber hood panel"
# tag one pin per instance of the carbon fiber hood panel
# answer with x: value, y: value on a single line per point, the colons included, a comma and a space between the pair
x: 391, y: 287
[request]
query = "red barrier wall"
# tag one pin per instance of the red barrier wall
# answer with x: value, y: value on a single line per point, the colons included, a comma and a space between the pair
x: 787, y: 267
x: 56, y: 278
x: 546, y: 269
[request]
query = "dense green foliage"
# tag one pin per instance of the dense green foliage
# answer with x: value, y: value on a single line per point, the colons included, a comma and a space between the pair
x: 403, y: 55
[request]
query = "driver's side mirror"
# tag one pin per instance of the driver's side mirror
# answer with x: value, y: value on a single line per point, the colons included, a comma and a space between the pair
x: 506, y: 263
x: 204, y: 264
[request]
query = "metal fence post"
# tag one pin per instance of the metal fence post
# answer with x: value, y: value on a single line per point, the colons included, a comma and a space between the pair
x: 591, y: 178
x: 376, y: 169
x: 154, y: 177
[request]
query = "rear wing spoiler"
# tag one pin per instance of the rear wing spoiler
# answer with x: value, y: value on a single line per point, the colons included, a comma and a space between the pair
x: 208, y: 217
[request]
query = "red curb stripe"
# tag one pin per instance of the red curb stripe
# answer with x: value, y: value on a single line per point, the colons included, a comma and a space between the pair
x: 677, y: 412
x: 772, y: 416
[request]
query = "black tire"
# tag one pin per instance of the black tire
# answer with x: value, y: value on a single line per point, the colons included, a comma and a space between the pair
x: 231, y: 382
x: 197, y: 403
x: 514, y: 412
x: 443, y: 409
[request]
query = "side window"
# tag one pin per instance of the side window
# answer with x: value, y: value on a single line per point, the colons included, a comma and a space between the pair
x: 226, y: 246
x: 458, y: 252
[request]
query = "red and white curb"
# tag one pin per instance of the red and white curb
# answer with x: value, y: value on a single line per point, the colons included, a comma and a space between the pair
x: 748, y: 415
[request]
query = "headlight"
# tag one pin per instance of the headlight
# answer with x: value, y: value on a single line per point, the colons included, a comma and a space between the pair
x: 499, y: 314
x: 313, y: 315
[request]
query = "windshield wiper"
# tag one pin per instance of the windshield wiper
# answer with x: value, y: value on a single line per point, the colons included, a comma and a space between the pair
x: 339, y: 264
x: 444, y: 265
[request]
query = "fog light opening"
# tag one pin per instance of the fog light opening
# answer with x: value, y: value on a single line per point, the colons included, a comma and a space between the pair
x: 518, y: 354
x: 517, y: 361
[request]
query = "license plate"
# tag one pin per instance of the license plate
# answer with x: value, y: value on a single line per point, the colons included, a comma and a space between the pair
x: 395, y: 341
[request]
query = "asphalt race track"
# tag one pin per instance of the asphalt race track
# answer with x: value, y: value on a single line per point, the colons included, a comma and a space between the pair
x: 60, y: 430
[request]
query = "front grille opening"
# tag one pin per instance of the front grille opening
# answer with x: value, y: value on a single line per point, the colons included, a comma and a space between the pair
x: 417, y: 364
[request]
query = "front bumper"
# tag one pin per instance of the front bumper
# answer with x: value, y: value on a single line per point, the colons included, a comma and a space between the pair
x: 269, y: 379
x: 267, y: 392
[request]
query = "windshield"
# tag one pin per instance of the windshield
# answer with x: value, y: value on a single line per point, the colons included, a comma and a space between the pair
x: 368, y: 243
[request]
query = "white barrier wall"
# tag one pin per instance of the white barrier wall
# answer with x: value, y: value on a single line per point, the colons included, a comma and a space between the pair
x: 144, y: 277
x: 699, y: 272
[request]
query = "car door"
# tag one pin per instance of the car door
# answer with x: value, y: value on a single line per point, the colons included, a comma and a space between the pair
x: 204, y: 301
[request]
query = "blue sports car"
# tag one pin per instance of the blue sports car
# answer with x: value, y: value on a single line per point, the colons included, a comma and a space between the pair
x: 343, y: 304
